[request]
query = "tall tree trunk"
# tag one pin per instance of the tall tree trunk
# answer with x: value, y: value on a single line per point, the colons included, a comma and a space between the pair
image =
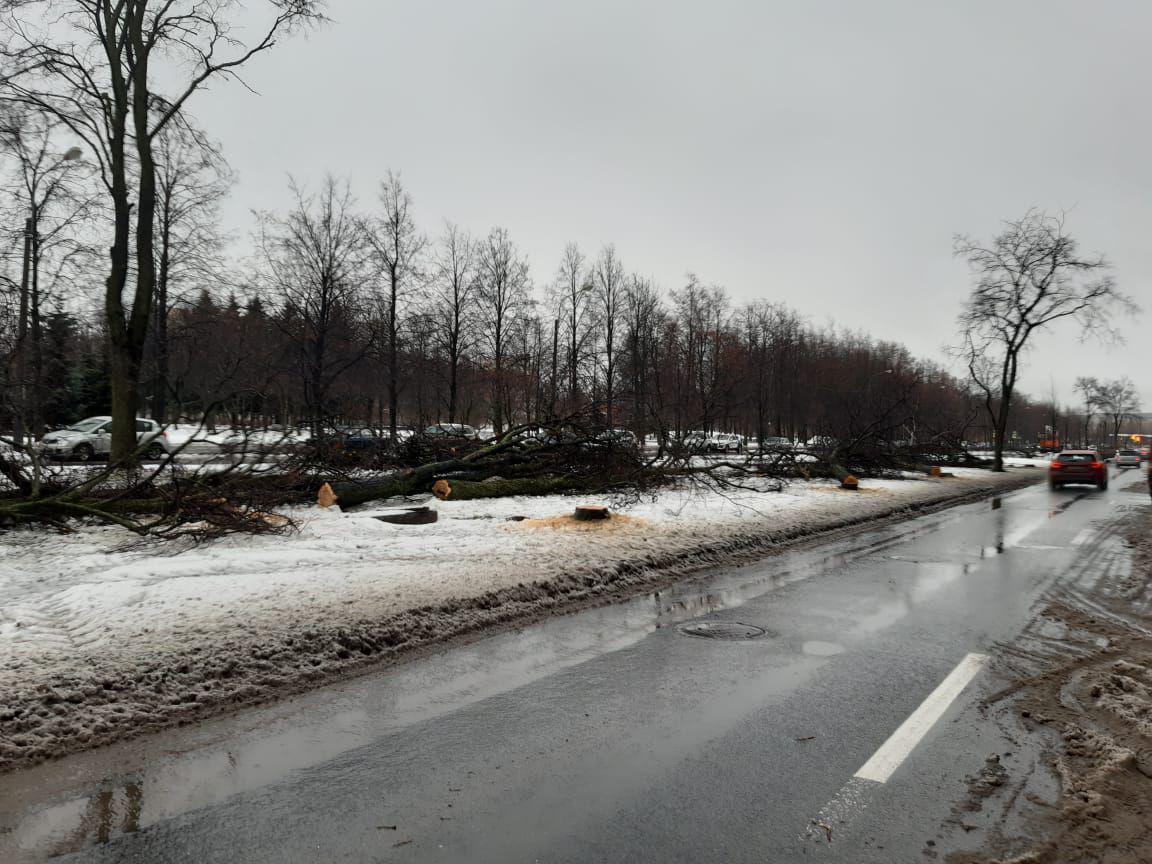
x: 36, y: 402
x: 127, y: 345
x: 555, y: 366
x: 393, y: 353
x: 453, y: 385
x: 497, y: 388
x: 21, y: 364
x: 160, y: 330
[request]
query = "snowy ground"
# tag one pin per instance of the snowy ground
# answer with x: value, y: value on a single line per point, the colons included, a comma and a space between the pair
x: 102, y: 636
x: 1015, y: 461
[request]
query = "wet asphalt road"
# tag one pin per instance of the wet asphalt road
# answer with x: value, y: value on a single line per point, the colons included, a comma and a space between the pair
x: 612, y: 735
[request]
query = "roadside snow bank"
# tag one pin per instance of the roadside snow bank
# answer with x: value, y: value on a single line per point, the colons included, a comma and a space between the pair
x: 102, y: 637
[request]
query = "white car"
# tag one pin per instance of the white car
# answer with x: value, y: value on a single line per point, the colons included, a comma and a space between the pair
x: 725, y: 442
x: 92, y: 438
x: 1127, y: 459
x: 821, y: 442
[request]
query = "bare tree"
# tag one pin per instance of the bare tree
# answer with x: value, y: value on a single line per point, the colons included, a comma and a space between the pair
x: 1118, y: 400
x: 502, y: 291
x: 573, y: 296
x: 1031, y: 276
x: 191, y: 182
x: 52, y: 201
x: 454, y: 304
x: 398, y: 248
x: 315, y: 261
x: 1089, y: 390
x: 643, y: 315
x: 95, y: 65
x: 611, y: 287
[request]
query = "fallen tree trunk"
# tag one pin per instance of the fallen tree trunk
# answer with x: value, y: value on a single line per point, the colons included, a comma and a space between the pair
x: 467, y: 490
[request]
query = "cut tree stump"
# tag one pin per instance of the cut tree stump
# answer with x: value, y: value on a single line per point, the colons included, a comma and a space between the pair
x: 409, y: 516
x: 590, y: 513
x: 326, y: 497
x: 850, y: 482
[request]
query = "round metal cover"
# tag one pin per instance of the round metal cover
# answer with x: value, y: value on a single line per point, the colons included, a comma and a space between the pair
x: 721, y: 630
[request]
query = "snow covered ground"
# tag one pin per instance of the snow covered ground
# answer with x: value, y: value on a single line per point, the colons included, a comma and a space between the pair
x: 1016, y: 461
x: 102, y: 635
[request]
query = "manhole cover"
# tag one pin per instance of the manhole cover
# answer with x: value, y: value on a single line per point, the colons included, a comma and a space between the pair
x: 721, y: 630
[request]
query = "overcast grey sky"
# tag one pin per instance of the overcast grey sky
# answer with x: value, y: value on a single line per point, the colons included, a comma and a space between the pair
x: 821, y: 154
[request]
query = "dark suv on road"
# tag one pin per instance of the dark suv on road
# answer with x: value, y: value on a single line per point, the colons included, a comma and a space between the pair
x: 1078, y: 466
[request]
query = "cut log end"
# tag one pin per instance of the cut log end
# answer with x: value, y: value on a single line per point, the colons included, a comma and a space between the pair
x: 934, y: 471
x: 850, y: 482
x: 326, y: 497
x: 442, y: 490
x: 591, y: 513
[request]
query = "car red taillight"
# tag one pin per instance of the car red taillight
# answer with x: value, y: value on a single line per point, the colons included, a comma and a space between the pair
x: 1096, y: 466
x: 1056, y: 466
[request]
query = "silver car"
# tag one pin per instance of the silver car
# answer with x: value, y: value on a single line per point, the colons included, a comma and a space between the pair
x: 92, y: 438
x: 724, y: 442
x: 1127, y: 459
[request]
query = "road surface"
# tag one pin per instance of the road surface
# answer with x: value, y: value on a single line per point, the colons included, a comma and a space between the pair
x: 819, y: 705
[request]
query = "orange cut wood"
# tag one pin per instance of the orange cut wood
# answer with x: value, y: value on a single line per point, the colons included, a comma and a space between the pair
x: 326, y: 497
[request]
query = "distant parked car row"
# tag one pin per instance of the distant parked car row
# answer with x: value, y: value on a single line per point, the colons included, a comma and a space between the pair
x: 712, y: 442
x: 697, y: 441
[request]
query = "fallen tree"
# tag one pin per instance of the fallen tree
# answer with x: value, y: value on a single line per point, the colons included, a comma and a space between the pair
x: 256, y: 477
x: 568, y: 457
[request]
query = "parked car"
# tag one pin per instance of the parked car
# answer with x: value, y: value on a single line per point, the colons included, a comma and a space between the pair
x: 821, y: 442
x: 541, y: 435
x: 694, y: 441
x: 776, y: 442
x: 451, y: 430
x: 1078, y: 466
x: 616, y: 438
x: 724, y: 442
x: 1127, y: 459
x: 92, y: 438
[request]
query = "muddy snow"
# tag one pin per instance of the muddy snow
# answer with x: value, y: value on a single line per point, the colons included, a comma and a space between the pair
x: 102, y: 637
x: 1083, y: 692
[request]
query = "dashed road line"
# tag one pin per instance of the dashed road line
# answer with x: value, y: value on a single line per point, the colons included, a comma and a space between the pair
x: 855, y: 795
x: 904, y: 740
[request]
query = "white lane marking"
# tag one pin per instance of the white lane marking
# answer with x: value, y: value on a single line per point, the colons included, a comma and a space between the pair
x: 840, y: 812
x: 904, y: 740
x: 1083, y: 537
